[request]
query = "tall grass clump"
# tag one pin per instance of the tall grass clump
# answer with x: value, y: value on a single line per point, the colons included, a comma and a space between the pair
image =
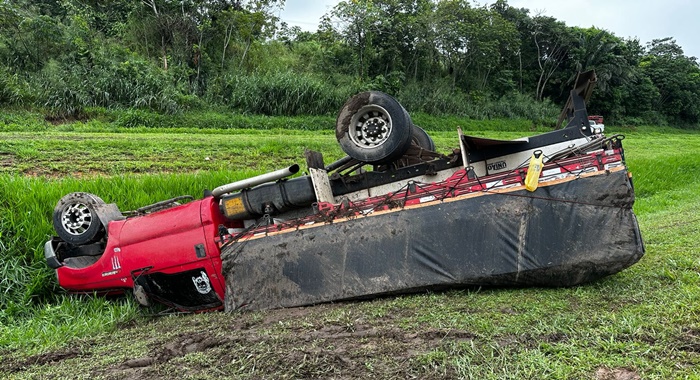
x: 520, y: 106
x: 440, y: 99
x: 110, y: 79
x: 279, y: 94
x: 14, y: 90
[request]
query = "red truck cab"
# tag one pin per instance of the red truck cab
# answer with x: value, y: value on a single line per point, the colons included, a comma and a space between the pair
x: 171, y: 256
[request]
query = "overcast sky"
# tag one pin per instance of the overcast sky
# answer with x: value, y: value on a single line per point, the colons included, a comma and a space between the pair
x: 643, y: 19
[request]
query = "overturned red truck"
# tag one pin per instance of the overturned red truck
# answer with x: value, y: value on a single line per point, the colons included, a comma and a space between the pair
x: 394, y: 216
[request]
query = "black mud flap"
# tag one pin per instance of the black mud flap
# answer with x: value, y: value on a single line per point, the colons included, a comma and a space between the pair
x: 560, y: 235
x: 189, y: 291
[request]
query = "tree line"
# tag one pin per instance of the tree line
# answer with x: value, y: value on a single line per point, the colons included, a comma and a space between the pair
x: 437, y: 56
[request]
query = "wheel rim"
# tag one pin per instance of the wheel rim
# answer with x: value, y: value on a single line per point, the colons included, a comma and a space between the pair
x: 370, y: 127
x: 76, y: 219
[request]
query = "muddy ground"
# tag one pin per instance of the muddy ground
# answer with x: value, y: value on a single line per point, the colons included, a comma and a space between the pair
x: 376, y: 339
x: 322, y: 341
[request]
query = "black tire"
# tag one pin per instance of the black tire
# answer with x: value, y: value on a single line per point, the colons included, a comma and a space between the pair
x: 373, y: 127
x: 75, y: 219
x: 421, y: 138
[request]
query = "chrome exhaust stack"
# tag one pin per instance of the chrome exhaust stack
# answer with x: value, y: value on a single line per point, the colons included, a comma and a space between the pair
x: 254, y: 181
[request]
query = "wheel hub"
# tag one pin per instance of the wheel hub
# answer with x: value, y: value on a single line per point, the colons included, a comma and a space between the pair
x: 374, y: 128
x: 76, y: 219
x: 371, y: 127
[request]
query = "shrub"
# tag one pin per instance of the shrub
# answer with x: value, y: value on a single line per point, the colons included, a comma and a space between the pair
x: 13, y: 89
x: 439, y: 99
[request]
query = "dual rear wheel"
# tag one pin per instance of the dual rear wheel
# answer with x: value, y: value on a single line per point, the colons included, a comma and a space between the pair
x: 373, y: 127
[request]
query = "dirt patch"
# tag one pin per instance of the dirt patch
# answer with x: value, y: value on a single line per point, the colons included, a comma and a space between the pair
x: 350, y: 108
x: 53, y: 357
x: 187, y: 344
x: 343, y: 340
x: 323, y: 341
x: 14, y: 365
x: 616, y: 374
x: 67, y: 119
x: 7, y: 160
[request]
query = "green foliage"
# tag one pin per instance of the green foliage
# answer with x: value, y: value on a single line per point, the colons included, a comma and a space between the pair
x: 444, y: 57
x: 437, y: 99
x: 13, y: 89
x: 278, y: 94
x: 677, y: 79
x: 473, y: 41
x: 117, y: 80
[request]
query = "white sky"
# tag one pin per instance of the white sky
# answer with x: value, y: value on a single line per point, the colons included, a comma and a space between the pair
x: 643, y: 19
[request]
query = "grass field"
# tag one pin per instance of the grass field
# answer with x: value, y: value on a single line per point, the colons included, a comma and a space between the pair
x: 642, y: 323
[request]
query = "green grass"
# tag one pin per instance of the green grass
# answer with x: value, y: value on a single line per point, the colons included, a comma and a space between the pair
x: 645, y: 320
x: 222, y: 122
x: 80, y: 154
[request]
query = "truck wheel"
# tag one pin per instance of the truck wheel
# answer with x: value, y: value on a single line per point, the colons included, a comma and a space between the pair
x: 421, y: 138
x: 75, y: 219
x: 373, y: 127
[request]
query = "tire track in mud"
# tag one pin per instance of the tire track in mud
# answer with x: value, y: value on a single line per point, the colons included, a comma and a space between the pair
x: 330, y: 350
x: 279, y: 345
x: 324, y: 341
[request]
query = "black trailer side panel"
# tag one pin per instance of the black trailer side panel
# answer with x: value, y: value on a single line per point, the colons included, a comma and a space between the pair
x: 560, y: 235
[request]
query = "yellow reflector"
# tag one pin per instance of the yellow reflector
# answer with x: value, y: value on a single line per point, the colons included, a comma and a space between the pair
x: 233, y: 206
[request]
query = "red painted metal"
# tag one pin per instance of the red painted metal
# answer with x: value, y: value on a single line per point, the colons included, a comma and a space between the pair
x: 163, y: 242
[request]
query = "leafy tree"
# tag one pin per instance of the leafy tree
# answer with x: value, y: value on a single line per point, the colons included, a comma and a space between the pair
x: 472, y: 40
x: 599, y: 50
x: 677, y: 78
x: 358, y: 21
x: 552, y: 39
x: 525, y: 52
x: 440, y: 56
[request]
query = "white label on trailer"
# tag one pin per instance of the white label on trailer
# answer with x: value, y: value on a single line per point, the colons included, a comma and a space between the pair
x: 427, y: 199
x: 549, y: 172
x: 491, y: 185
x: 553, y: 177
x: 493, y: 166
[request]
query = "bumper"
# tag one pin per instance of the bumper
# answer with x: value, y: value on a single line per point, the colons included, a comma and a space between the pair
x: 50, y: 254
